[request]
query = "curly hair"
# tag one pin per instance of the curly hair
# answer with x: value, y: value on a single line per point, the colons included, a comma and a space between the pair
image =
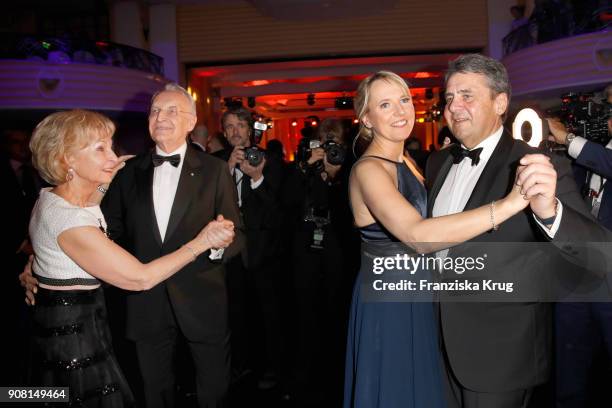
x: 62, y: 133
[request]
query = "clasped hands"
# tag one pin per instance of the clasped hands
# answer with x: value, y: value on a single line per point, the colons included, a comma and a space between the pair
x: 218, y: 233
x: 536, y: 180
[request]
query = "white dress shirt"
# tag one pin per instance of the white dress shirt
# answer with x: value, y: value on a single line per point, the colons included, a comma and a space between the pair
x: 165, y: 182
x: 462, y: 178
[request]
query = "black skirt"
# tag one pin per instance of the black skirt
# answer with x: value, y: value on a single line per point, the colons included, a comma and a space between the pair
x: 72, y: 347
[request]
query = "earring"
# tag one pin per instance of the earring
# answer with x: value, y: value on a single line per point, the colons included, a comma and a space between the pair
x: 70, y: 174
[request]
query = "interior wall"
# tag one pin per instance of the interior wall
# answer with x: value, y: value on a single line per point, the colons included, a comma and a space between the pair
x: 500, y: 22
x: 237, y: 31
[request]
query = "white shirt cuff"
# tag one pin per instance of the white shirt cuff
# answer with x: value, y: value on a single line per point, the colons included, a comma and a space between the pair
x: 552, y: 230
x: 575, y: 147
x: 255, y: 184
x: 216, y: 253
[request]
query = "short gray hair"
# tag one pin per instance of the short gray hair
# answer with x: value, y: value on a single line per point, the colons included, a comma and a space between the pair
x: 493, y: 70
x: 174, y: 87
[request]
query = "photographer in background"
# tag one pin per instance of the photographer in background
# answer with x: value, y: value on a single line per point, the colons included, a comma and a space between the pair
x: 322, y: 249
x: 583, y: 328
x: 251, y: 279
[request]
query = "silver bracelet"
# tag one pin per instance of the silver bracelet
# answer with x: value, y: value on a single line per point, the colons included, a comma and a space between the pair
x: 101, y: 189
x: 494, y: 226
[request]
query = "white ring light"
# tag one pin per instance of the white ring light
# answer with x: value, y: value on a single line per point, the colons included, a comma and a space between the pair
x: 528, y: 115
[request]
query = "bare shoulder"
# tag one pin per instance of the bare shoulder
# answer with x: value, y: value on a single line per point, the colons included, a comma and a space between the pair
x: 368, y: 167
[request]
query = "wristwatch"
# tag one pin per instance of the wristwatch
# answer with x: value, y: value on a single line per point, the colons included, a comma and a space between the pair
x: 568, y: 138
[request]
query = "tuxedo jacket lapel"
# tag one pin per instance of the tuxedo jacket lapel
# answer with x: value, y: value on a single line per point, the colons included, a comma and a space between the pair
x: 188, y: 182
x: 490, y: 183
x: 144, y: 183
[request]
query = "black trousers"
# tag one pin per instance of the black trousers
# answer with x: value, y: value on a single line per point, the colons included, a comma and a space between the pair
x: 156, y: 359
x: 321, y: 296
x: 511, y: 399
x: 254, y: 316
x: 459, y: 397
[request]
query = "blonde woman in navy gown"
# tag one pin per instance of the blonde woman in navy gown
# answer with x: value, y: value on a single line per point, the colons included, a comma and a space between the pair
x: 71, y: 346
x: 393, y: 354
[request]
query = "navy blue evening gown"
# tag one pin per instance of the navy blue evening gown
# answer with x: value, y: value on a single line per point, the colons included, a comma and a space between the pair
x: 393, y: 356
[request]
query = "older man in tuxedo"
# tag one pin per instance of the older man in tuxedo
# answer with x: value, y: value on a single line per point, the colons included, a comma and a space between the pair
x: 155, y: 204
x: 498, y: 353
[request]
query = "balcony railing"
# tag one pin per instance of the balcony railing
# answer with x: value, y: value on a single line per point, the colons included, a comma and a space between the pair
x: 550, y: 22
x: 80, y: 51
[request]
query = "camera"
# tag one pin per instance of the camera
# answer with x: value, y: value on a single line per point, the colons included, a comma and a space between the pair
x: 584, y: 117
x: 320, y: 217
x: 335, y: 152
x: 254, y: 155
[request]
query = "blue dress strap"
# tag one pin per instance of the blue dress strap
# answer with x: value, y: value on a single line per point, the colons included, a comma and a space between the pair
x: 381, y: 158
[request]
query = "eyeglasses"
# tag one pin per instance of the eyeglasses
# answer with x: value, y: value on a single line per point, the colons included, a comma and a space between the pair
x: 170, y: 111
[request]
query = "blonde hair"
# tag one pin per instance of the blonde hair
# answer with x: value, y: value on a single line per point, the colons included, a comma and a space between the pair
x: 62, y: 133
x: 362, y: 98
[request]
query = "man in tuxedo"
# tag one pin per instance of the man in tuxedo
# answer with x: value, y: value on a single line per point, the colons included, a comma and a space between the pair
x: 581, y: 329
x: 252, y: 281
x: 158, y: 202
x: 497, y: 353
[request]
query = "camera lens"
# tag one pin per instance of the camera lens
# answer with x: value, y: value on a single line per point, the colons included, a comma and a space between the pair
x: 335, y: 153
x: 254, y: 155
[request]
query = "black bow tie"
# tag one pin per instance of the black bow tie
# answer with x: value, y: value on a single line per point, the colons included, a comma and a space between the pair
x: 459, y: 153
x: 174, y: 160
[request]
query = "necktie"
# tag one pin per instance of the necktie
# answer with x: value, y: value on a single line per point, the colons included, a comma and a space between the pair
x: 174, y: 160
x: 459, y: 153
